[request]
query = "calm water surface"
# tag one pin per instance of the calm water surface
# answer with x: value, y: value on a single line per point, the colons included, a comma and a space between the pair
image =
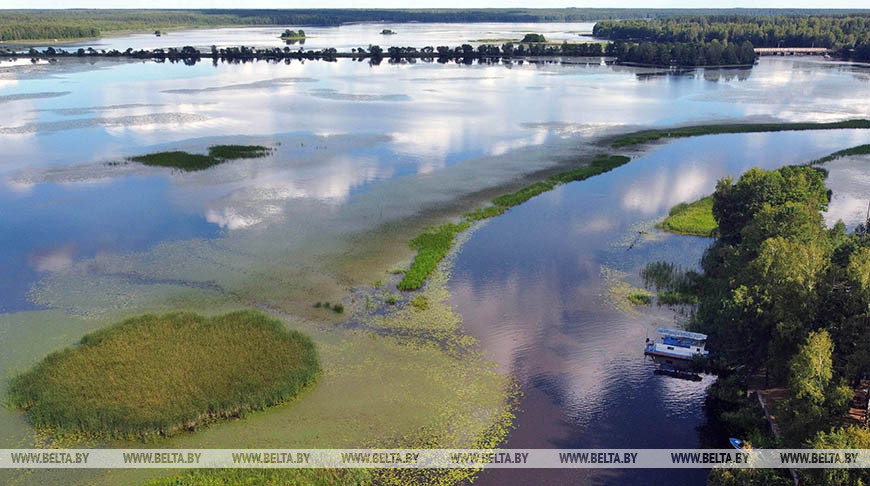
x: 535, y: 287
x: 357, y: 146
x: 346, y: 37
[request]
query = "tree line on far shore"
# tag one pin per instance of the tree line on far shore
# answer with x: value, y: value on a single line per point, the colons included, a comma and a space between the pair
x: 709, y: 54
x: 847, y: 34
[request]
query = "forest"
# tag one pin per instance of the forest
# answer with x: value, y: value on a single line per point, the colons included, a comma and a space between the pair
x: 17, y: 25
x: 786, y: 303
x: 848, y: 34
x: 713, y: 53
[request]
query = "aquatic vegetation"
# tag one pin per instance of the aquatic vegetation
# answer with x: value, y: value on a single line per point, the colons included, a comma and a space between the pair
x: 392, y: 300
x: 432, y: 246
x: 691, y: 218
x: 233, y: 477
x: 695, y: 131
x: 670, y: 297
x: 640, y: 298
x: 232, y: 152
x: 420, y: 303
x: 162, y: 374
x: 859, y: 150
x: 217, y: 154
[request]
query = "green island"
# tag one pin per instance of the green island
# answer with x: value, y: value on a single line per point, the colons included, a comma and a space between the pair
x: 293, y: 34
x: 530, y: 38
x: 217, y: 154
x: 387, y: 32
x: 646, y: 136
x: 432, y: 246
x: 158, y: 375
x: 784, y: 300
x: 694, y: 218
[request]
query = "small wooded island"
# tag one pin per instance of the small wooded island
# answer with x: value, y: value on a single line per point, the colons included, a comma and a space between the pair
x: 534, y: 38
x: 290, y: 34
x: 387, y: 32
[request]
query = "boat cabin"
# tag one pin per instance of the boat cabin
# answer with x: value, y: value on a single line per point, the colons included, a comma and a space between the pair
x: 677, y: 344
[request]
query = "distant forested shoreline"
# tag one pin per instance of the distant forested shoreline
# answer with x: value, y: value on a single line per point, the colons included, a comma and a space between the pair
x: 23, y: 25
x: 849, y: 35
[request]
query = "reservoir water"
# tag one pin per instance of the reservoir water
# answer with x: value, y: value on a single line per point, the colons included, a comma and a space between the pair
x: 361, y: 149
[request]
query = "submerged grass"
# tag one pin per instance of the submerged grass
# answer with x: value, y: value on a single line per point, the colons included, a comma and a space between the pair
x: 161, y: 374
x: 653, y: 135
x: 217, y: 154
x: 691, y: 218
x: 433, y: 245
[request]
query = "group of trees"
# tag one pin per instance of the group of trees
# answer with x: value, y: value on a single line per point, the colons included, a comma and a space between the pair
x: 781, y: 292
x: 293, y: 34
x: 465, y: 51
x: 713, y: 53
x: 839, y: 32
x: 65, y: 24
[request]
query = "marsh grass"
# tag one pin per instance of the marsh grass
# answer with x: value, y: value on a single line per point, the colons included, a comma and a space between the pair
x: 161, y: 374
x: 691, y: 219
x: 217, y: 154
x: 271, y: 477
x: 859, y: 150
x: 640, y: 298
x: 674, y: 285
x: 433, y: 245
x: 653, y: 135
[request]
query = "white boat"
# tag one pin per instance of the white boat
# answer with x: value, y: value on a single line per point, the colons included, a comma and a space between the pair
x: 677, y: 344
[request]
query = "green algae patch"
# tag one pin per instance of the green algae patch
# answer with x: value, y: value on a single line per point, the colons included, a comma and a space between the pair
x: 217, y: 154
x: 696, y: 131
x: 157, y: 375
x: 691, y: 218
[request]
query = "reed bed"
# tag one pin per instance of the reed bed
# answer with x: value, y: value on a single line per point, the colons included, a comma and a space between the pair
x: 162, y: 374
x: 217, y: 154
x: 695, y: 131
